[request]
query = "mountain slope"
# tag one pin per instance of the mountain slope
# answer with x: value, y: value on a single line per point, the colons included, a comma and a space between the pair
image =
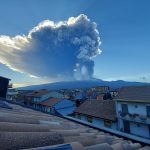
x: 83, y: 84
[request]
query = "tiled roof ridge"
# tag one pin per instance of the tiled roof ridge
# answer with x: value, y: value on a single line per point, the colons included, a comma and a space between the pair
x: 23, y: 128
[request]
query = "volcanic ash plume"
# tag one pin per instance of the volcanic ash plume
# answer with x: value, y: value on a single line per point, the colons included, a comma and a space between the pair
x: 59, y: 51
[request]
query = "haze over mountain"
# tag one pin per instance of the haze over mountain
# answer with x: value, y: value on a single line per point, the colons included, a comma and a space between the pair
x: 83, y: 84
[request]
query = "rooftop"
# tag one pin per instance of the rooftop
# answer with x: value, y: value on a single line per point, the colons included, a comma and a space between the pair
x: 23, y: 128
x: 104, y: 109
x: 38, y: 93
x: 51, y: 102
x: 134, y: 93
x: 4, y: 78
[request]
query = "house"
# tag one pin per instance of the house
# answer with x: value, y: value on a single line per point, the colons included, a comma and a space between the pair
x: 56, y: 94
x: 57, y: 106
x: 21, y: 96
x: 37, y: 97
x: 98, y: 112
x: 12, y: 94
x: 41, y: 95
x: 133, y: 110
x: 4, y: 82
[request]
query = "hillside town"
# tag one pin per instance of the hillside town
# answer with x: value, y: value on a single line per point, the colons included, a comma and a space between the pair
x: 123, y: 112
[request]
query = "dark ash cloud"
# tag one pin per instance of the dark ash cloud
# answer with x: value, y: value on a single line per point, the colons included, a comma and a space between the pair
x: 59, y: 51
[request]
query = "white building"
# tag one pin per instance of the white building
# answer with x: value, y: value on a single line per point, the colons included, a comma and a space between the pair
x: 133, y: 110
x: 101, y: 113
x: 37, y: 96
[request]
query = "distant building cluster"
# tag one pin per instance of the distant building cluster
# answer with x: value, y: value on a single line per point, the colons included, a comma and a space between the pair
x: 63, y: 101
x: 126, y: 110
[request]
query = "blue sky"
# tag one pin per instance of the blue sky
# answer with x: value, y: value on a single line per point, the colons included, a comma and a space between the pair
x: 124, y: 27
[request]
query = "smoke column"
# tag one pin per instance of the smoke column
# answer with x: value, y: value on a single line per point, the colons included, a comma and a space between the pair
x: 59, y: 51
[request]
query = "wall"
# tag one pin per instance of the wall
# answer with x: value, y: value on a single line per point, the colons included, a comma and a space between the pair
x: 120, y: 125
x: 114, y: 125
x: 98, y: 122
x: 84, y: 118
x: 45, y: 96
x: 141, y: 130
x: 140, y: 109
x: 46, y: 109
x: 55, y: 95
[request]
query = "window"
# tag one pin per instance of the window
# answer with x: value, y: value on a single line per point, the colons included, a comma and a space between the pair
x: 89, y: 119
x: 78, y: 116
x: 124, y: 108
x: 107, y: 123
x: 148, y: 111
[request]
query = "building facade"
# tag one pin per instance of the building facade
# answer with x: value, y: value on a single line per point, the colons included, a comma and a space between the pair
x: 100, y: 113
x: 133, y: 111
x: 12, y: 94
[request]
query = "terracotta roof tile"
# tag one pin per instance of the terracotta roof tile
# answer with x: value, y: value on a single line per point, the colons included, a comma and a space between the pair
x: 101, y: 109
x: 39, y: 93
x: 134, y: 93
x: 51, y: 102
x: 23, y: 128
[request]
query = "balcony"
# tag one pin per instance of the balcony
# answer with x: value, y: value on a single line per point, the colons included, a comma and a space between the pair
x: 134, y: 117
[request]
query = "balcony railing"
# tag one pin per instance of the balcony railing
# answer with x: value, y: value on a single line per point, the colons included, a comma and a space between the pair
x: 135, y: 117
